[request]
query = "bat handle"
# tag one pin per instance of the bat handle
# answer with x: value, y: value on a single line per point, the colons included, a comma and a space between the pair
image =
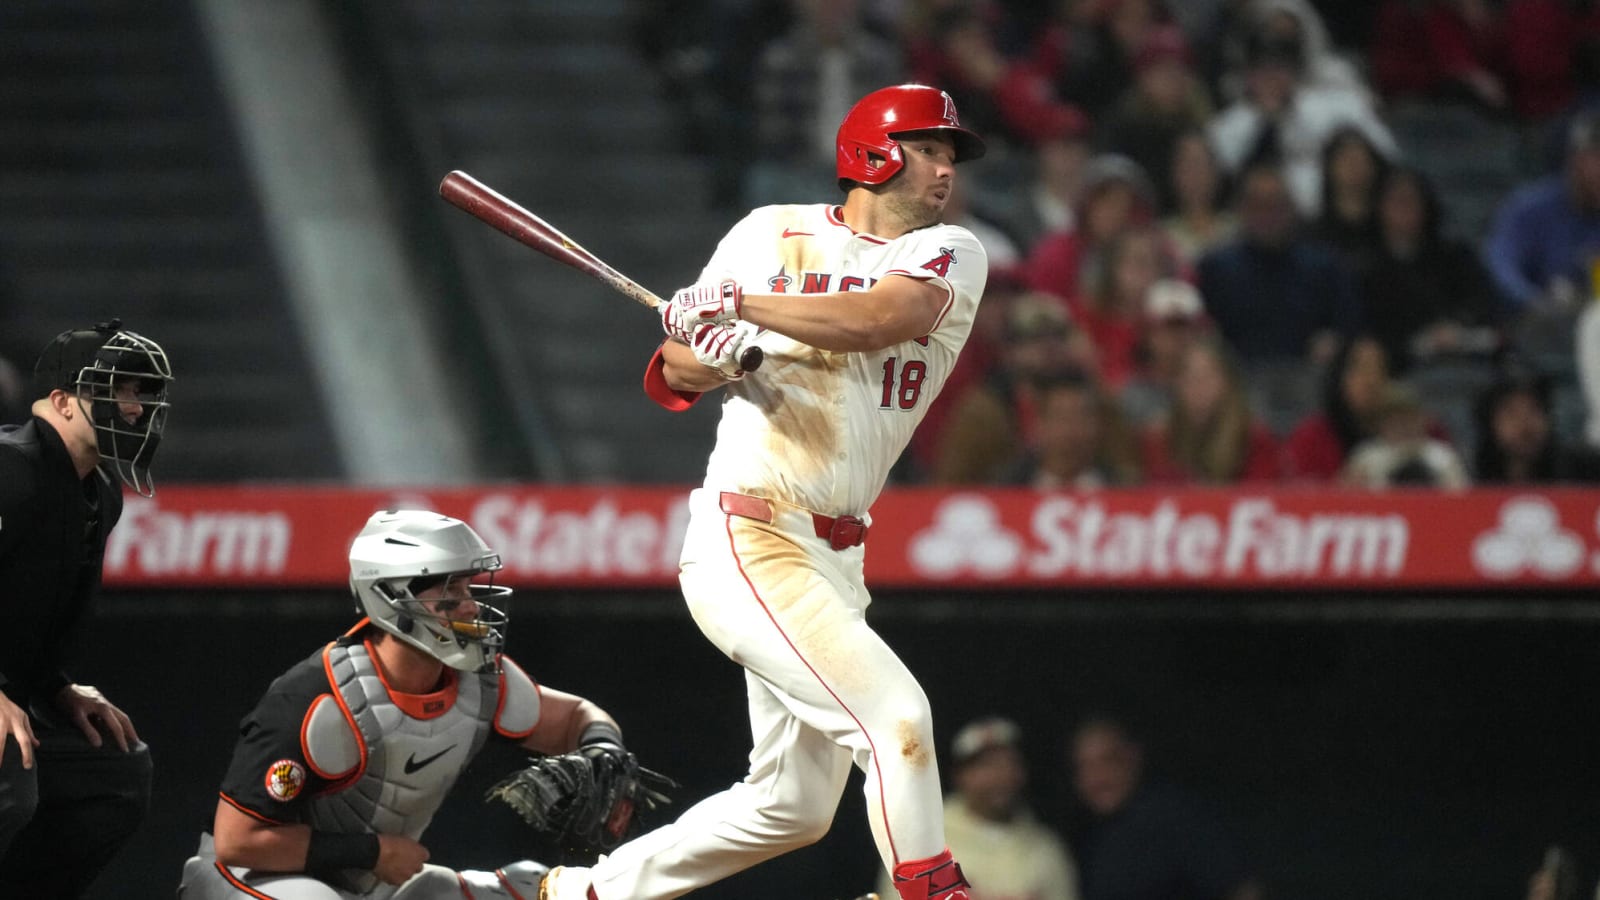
x: 751, y: 359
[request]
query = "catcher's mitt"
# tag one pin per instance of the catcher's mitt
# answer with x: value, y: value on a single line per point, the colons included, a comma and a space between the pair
x: 586, y: 799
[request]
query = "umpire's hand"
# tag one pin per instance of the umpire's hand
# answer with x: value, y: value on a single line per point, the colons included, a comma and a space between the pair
x: 14, y: 723
x: 85, y: 706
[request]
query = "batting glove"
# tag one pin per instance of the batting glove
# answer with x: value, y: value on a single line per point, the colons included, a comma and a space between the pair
x: 720, y: 347
x: 701, y: 304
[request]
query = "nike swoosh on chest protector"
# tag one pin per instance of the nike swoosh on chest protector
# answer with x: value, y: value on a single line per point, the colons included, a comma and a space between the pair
x: 413, y: 764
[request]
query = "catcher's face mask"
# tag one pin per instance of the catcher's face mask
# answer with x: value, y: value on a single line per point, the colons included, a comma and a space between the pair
x: 428, y: 580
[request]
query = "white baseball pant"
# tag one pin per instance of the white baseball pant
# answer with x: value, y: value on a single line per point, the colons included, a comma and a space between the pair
x: 824, y: 691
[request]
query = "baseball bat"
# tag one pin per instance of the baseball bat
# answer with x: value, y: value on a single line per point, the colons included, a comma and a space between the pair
x: 503, y: 214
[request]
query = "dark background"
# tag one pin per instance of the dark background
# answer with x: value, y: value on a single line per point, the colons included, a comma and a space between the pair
x: 1378, y: 747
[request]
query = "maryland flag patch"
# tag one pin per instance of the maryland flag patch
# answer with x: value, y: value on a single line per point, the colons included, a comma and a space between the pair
x: 284, y: 780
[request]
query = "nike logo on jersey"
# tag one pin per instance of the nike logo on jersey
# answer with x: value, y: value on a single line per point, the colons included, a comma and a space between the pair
x: 413, y: 764
x: 789, y: 234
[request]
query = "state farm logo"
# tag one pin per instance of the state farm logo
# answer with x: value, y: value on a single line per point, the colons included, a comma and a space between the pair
x: 966, y: 535
x: 153, y: 541
x: 1083, y: 537
x: 1529, y: 537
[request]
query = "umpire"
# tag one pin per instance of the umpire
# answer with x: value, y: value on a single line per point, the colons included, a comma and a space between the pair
x: 74, y: 776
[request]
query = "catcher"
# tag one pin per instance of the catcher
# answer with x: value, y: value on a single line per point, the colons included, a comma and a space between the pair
x: 345, y: 760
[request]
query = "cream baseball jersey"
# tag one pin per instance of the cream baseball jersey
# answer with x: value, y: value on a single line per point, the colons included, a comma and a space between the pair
x: 821, y: 429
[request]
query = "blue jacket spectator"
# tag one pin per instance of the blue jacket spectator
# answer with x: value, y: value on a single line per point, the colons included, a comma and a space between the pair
x: 1547, y: 234
x: 1276, y: 295
x: 1144, y: 840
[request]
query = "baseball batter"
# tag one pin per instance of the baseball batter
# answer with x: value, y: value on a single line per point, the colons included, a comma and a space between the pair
x: 861, y: 310
x: 341, y: 766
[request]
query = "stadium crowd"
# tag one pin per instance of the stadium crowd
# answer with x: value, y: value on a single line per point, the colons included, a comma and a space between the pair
x: 1224, y: 247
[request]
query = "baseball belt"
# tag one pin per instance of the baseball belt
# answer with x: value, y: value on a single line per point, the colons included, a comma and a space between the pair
x: 841, y: 532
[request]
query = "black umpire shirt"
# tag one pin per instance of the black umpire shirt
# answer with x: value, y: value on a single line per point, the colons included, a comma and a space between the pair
x: 53, y: 529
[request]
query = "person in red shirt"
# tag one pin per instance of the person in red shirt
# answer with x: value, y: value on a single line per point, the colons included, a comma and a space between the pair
x: 1211, y: 436
x: 1116, y: 196
x: 1446, y: 49
x: 1112, y: 311
x: 1317, y: 447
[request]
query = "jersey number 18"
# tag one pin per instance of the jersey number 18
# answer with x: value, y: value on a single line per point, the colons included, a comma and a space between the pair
x: 909, y: 386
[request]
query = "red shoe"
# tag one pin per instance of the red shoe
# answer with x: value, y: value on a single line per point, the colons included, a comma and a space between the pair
x: 935, y: 878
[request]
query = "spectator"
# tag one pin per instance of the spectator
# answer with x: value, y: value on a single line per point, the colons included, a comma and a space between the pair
x: 1112, y: 311
x: 1166, y: 101
x: 1211, y: 435
x: 996, y: 95
x: 1046, y: 203
x: 1199, y: 221
x: 1588, y: 358
x: 991, y: 424
x: 1544, y: 237
x: 1516, y: 441
x: 1283, y: 117
x: 1002, y: 250
x: 805, y: 81
x: 1117, y: 195
x: 1401, y: 452
x: 1353, y: 389
x: 1275, y: 295
x: 1352, y: 169
x: 1296, y: 21
x: 1079, y: 440
x: 1094, y: 65
x: 1426, y: 296
x: 1544, y: 38
x: 1005, y: 853
x: 1143, y: 839
x: 1441, y: 49
x: 979, y: 359
x: 1174, y: 318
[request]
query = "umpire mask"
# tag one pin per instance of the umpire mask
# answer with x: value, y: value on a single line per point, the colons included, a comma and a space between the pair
x: 121, y: 380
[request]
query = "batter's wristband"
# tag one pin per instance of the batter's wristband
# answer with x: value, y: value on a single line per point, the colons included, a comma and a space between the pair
x: 332, y: 852
x: 600, y: 733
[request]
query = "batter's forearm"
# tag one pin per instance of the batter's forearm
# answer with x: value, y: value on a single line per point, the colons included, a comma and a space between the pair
x: 686, y: 373
x: 892, y: 312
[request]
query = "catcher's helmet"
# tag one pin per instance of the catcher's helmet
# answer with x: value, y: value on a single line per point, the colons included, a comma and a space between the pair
x: 113, y: 369
x: 870, y: 128
x: 401, y: 553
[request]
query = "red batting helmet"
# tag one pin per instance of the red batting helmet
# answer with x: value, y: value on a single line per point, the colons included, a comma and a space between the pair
x: 871, y: 125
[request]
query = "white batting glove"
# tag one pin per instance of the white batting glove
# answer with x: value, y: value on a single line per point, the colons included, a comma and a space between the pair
x: 701, y: 304
x: 720, y: 346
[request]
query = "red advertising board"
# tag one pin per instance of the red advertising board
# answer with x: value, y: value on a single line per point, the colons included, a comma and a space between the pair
x: 246, y: 537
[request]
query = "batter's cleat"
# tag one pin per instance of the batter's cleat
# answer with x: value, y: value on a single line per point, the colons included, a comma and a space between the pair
x: 934, y: 878
x: 566, y: 883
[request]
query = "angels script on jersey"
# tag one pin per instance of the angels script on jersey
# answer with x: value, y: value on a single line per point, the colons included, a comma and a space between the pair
x: 824, y: 282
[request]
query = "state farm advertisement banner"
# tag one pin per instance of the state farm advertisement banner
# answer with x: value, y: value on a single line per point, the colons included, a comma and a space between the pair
x: 240, y: 537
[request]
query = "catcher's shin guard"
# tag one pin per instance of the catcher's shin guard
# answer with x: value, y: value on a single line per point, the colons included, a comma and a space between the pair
x: 516, y: 881
x: 934, y: 878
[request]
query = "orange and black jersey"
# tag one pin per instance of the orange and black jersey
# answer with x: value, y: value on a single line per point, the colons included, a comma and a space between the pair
x: 268, y: 777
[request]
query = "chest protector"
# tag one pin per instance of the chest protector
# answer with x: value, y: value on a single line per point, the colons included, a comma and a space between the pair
x: 401, y: 766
